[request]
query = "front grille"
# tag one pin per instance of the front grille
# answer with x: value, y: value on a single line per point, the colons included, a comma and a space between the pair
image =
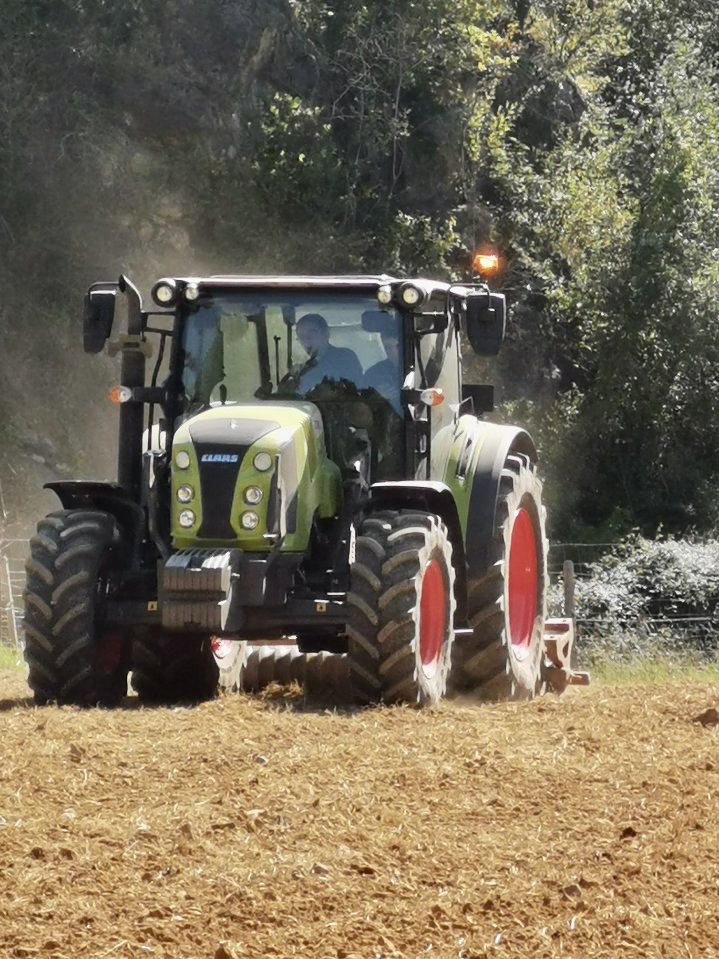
x: 217, y: 490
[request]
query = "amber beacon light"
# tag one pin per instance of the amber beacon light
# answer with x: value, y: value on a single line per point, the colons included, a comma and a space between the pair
x: 485, y: 263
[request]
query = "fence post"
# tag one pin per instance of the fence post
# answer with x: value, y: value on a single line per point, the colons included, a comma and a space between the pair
x: 10, y: 600
x: 568, y: 580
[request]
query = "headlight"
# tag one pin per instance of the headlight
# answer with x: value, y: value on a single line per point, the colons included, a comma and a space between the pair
x: 253, y: 495
x: 164, y: 292
x: 262, y: 462
x: 192, y: 291
x: 384, y: 295
x: 411, y: 295
x: 249, y: 519
x: 182, y: 460
x: 186, y: 519
x: 185, y: 493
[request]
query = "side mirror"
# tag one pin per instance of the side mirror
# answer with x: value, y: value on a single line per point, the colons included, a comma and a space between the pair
x: 486, y: 320
x: 97, y: 319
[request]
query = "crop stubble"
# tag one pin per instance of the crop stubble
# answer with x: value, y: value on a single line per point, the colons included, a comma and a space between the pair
x: 253, y: 827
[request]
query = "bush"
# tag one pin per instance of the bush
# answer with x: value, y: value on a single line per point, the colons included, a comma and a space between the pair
x: 664, y: 589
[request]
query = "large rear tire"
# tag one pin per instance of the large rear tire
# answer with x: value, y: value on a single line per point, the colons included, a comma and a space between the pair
x: 72, y: 658
x: 501, y: 659
x: 402, y: 603
x: 174, y: 667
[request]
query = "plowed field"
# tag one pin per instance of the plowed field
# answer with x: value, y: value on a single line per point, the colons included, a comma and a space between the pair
x: 257, y: 827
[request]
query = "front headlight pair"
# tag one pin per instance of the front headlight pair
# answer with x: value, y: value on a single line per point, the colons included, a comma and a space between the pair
x: 248, y: 520
x: 252, y: 495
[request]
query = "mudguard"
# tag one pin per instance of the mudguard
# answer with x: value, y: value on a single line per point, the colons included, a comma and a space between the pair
x: 432, y: 497
x: 497, y: 442
x: 110, y: 498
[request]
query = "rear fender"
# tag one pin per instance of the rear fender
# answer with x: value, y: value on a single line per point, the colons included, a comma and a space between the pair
x: 497, y: 442
x: 430, y: 497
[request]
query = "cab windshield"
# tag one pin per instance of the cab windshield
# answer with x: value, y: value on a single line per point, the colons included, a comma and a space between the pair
x: 243, y: 345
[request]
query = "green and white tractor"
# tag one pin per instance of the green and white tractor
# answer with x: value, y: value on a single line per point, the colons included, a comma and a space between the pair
x: 342, y: 496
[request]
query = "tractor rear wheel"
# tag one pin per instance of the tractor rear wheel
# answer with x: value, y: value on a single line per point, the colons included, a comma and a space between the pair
x: 72, y: 658
x: 174, y: 667
x: 501, y: 659
x: 402, y: 603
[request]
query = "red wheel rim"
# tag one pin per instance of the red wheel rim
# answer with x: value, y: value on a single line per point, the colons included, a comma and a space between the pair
x: 522, y: 581
x: 222, y: 648
x: 432, y: 617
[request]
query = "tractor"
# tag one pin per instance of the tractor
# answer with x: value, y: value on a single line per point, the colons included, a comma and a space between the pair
x: 300, y: 464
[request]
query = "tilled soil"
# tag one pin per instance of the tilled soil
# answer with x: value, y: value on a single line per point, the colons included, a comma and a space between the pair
x: 586, y: 825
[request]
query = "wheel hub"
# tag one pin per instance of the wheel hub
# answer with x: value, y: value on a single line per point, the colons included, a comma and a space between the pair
x: 432, y: 617
x: 522, y: 588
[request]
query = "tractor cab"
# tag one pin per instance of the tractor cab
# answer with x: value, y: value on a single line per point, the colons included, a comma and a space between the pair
x: 337, y: 349
x: 384, y: 373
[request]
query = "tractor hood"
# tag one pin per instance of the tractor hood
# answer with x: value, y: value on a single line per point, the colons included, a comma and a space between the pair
x: 251, y: 475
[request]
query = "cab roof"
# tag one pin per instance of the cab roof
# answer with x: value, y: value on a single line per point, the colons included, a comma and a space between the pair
x: 350, y: 281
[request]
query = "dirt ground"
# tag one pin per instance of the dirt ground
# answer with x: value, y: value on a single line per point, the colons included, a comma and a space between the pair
x: 257, y: 827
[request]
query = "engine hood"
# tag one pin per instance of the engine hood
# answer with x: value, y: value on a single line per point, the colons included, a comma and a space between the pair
x: 246, y: 423
x: 221, y: 486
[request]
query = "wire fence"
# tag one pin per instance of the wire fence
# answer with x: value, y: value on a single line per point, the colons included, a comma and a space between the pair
x: 12, y: 582
x: 581, y: 555
x: 671, y: 615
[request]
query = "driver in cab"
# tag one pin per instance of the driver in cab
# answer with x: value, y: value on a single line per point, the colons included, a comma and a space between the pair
x: 325, y: 360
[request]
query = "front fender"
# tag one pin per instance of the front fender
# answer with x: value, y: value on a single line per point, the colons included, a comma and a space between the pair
x: 108, y: 497
x: 430, y: 497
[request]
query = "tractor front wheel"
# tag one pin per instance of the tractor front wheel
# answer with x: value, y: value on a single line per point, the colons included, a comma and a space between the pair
x: 402, y: 603
x: 72, y: 657
x: 502, y: 657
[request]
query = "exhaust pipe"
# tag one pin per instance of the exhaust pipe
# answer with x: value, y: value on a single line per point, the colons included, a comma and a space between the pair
x: 132, y: 375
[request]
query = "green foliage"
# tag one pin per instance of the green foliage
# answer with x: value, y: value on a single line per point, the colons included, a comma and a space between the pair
x: 297, y: 165
x: 409, y: 87
x: 658, y: 663
x: 580, y: 136
x: 612, y: 220
x: 642, y: 583
x: 11, y: 657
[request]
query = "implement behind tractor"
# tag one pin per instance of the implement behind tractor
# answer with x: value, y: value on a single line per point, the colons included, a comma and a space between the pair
x: 303, y: 465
